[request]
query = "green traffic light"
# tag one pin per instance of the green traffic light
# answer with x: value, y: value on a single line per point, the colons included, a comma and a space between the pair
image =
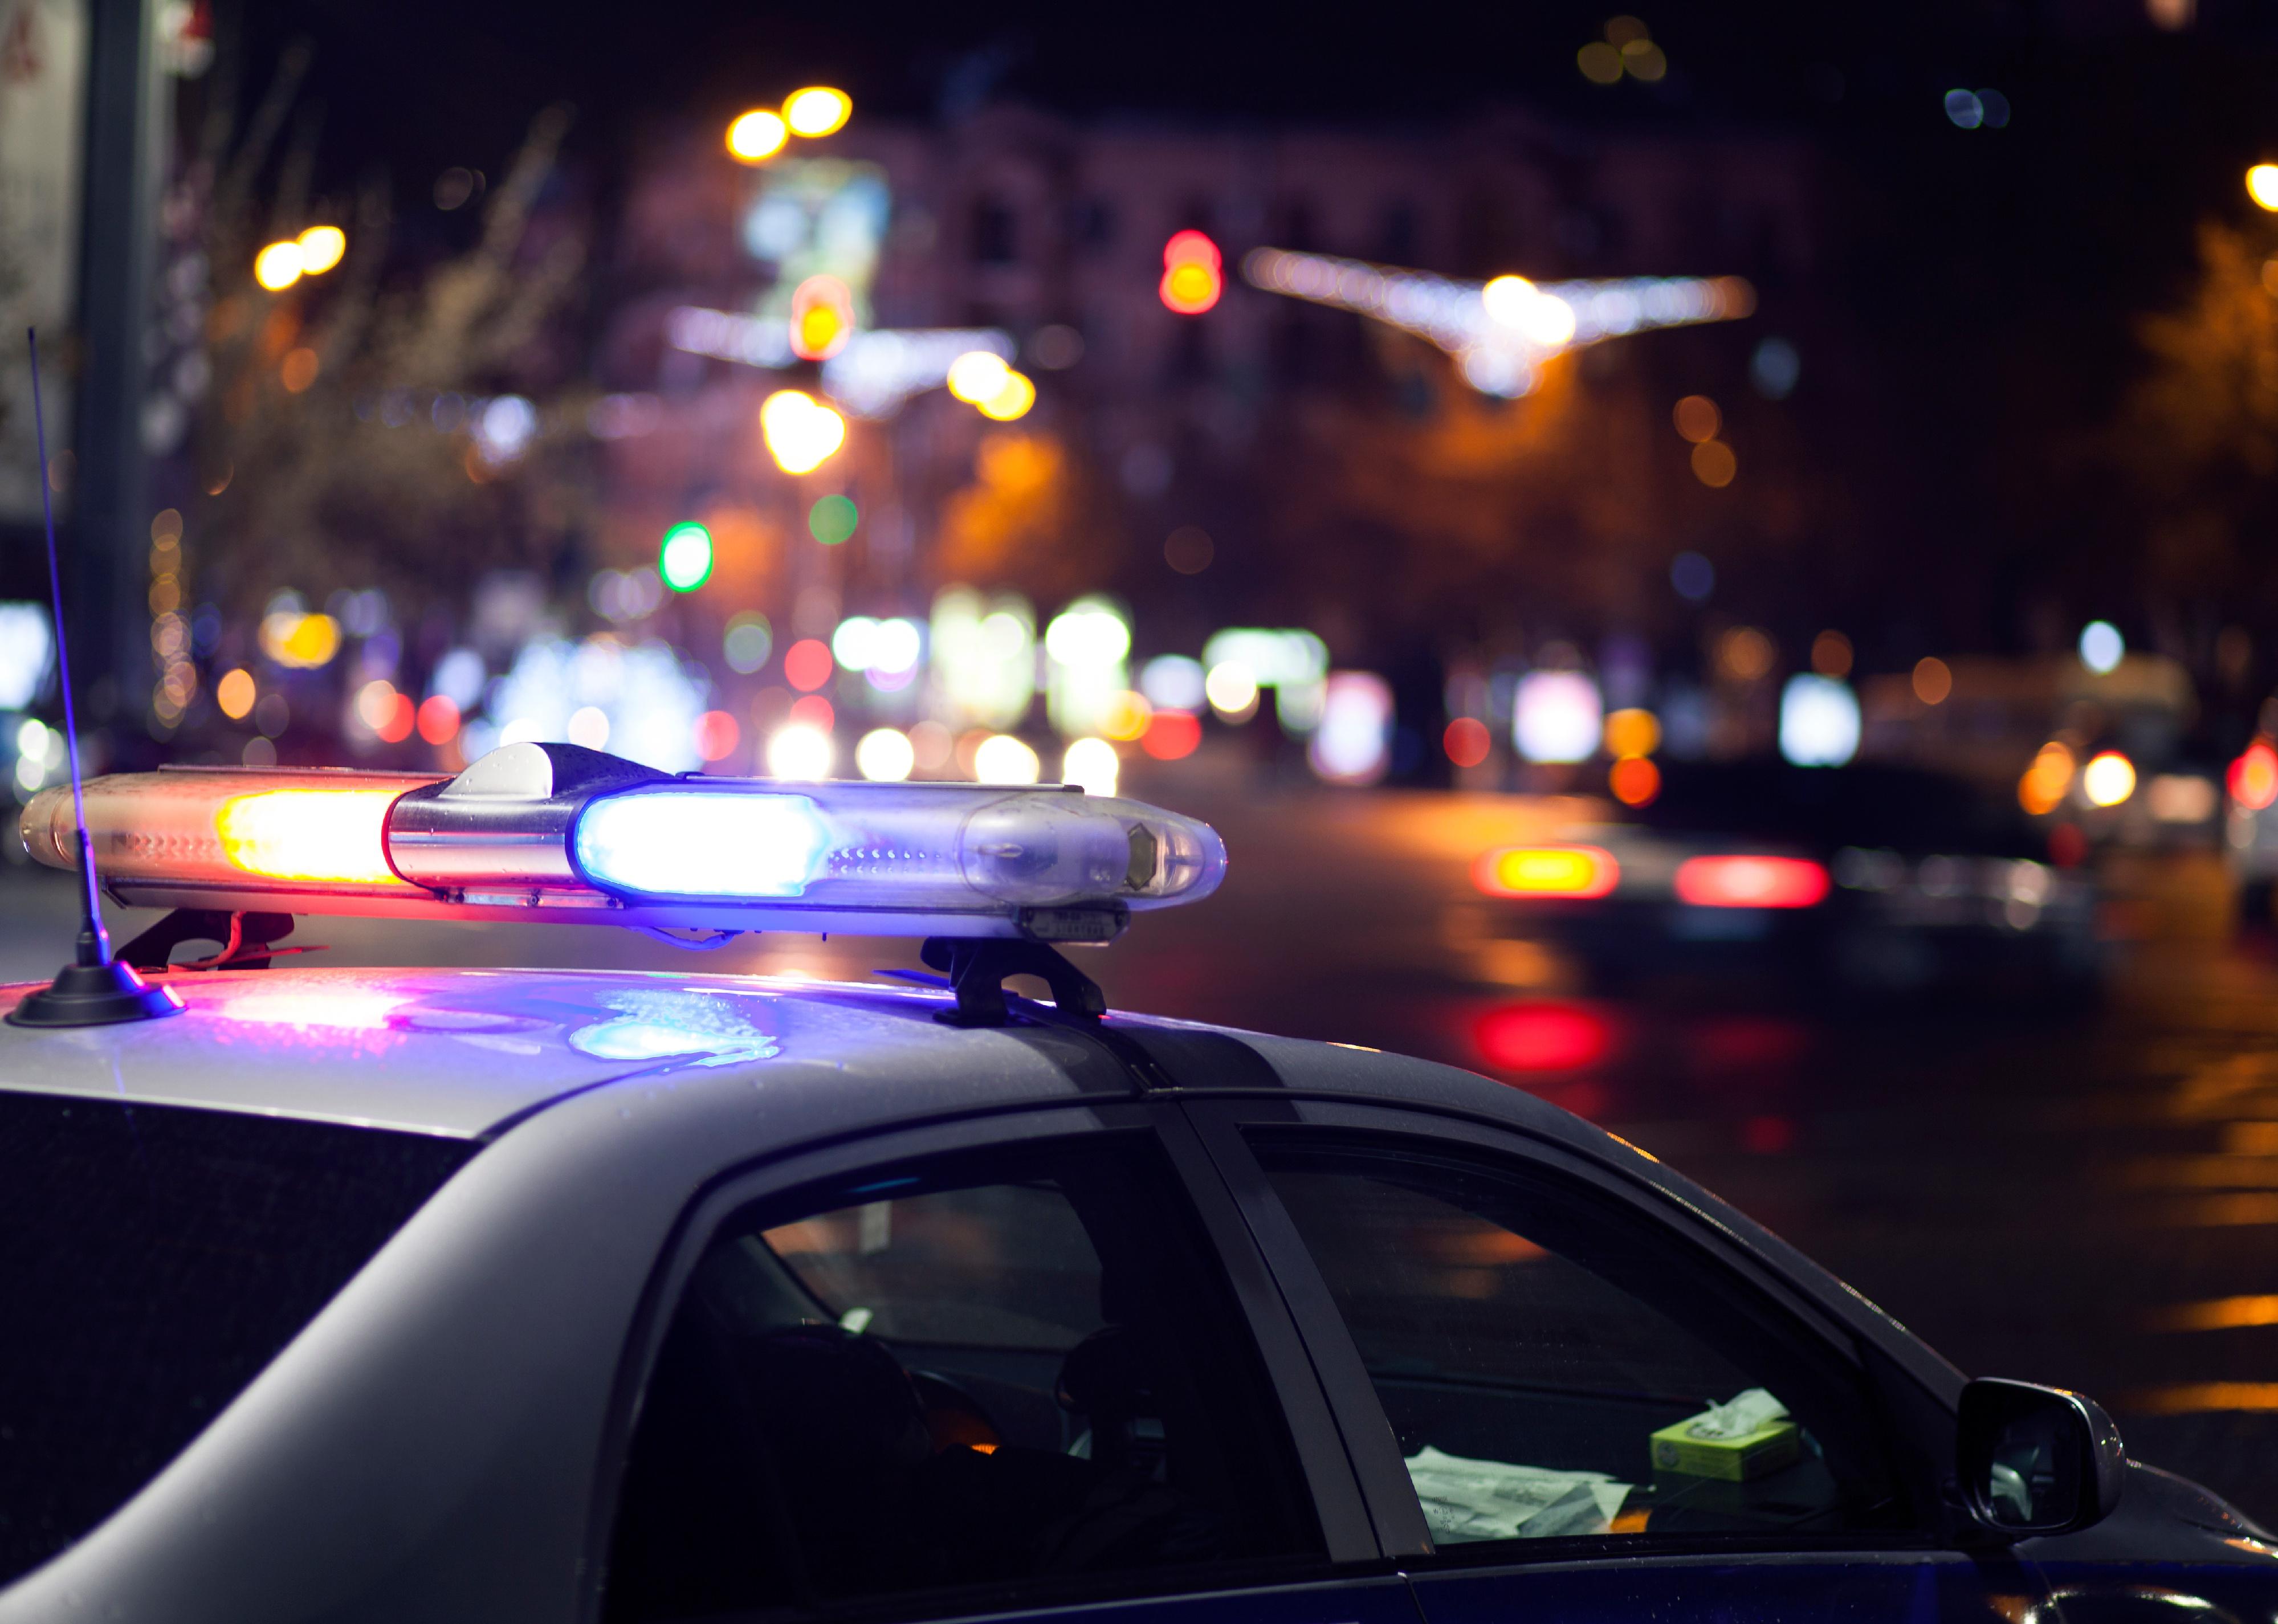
x: 832, y: 520
x: 685, y: 558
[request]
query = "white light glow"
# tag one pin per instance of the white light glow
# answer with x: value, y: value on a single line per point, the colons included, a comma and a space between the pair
x: 1004, y: 760
x: 1819, y: 722
x: 799, y: 752
x: 1094, y: 764
x: 1559, y: 716
x: 885, y: 755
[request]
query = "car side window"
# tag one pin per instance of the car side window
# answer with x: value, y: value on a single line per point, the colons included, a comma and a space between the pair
x: 1554, y: 1364
x: 1021, y: 1371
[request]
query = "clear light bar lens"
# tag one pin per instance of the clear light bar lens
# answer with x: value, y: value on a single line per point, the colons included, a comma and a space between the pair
x: 697, y: 842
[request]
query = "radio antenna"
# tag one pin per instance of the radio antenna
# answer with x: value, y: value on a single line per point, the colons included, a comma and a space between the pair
x: 96, y: 989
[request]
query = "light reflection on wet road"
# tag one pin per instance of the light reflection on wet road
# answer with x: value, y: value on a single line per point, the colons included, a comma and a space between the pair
x: 2086, y: 1198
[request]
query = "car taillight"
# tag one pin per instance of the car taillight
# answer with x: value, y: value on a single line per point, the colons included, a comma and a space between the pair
x: 2253, y: 777
x: 1547, y: 870
x: 1750, y: 883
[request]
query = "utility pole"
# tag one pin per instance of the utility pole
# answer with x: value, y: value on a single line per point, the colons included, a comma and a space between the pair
x: 125, y: 151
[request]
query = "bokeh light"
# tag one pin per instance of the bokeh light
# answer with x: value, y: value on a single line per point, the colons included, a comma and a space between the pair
x: 1171, y: 736
x: 1697, y: 418
x: 1634, y: 781
x: 1632, y: 731
x: 801, y: 433
x: 807, y: 664
x: 1466, y: 741
x: 1004, y: 760
x: 757, y: 136
x: 278, y: 266
x: 438, y: 719
x: 321, y: 248
x: 885, y: 755
x: 832, y: 520
x: 977, y: 375
x: 2253, y: 780
x: 2108, y: 779
x: 817, y: 111
x: 799, y: 752
x: 2046, y: 782
x: 1714, y: 465
x: 684, y: 558
x: 1011, y: 401
x: 1231, y: 687
x: 716, y: 736
x: 1933, y: 680
x: 2101, y: 647
x: 1092, y: 763
x: 2262, y: 184
x: 234, y: 693
x: 747, y: 642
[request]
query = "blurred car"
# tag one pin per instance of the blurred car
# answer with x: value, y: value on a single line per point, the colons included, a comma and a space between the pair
x: 1872, y: 878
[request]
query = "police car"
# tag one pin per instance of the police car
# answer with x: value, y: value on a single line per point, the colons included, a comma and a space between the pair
x: 498, y: 1295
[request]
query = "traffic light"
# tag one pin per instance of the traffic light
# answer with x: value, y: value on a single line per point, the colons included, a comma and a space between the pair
x: 685, y: 556
x: 1193, y: 273
x: 821, y: 318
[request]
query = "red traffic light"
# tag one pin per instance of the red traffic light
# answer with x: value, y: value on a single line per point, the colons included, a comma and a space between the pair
x: 1193, y: 273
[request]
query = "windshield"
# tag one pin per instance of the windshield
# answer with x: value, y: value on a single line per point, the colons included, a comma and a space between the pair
x: 152, y: 1260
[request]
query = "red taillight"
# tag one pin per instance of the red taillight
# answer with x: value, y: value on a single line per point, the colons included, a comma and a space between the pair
x: 1546, y: 871
x: 2253, y: 779
x: 1750, y: 883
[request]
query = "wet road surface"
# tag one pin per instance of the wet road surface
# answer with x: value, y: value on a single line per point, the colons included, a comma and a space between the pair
x: 2085, y: 1197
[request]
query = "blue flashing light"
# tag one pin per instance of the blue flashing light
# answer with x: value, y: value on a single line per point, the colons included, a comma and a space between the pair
x: 701, y: 843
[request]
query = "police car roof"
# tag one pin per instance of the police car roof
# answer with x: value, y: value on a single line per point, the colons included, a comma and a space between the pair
x: 466, y: 1053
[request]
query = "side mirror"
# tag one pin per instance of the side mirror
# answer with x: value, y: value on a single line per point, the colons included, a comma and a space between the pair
x: 2036, y: 1460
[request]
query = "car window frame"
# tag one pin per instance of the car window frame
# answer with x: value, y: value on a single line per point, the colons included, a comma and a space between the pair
x: 1327, y: 1480
x: 1223, y: 1125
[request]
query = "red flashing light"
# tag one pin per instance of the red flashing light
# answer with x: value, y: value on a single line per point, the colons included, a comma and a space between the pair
x: 1546, y: 871
x: 2253, y: 777
x: 1194, y: 273
x: 1750, y: 883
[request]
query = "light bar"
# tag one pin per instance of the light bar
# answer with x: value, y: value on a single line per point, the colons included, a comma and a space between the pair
x: 1547, y: 870
x: 554, y: 831
x: 1738, y: 881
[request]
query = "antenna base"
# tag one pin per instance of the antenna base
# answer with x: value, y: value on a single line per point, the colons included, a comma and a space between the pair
x: 94, y: 996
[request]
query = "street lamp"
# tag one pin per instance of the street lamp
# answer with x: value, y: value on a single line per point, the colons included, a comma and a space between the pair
x: 311, y: 254
x: 757, y: 136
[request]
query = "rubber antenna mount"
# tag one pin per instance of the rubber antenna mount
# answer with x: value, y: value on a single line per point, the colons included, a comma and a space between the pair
x: 976, y: 968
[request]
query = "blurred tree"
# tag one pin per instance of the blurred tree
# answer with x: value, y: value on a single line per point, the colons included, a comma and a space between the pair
x: 342, y: 442
x: 1031, y: 518
x: 1446, y: 510
x: 2200, y: 431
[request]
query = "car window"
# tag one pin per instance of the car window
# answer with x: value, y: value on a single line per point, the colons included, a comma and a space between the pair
x: 152, y: 1260
x: 1554, y: 1365
x: 1020, y: 1372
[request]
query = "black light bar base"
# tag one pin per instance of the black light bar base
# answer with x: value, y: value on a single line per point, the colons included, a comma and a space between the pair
x: 94, y: 996
x: 976, y: 968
